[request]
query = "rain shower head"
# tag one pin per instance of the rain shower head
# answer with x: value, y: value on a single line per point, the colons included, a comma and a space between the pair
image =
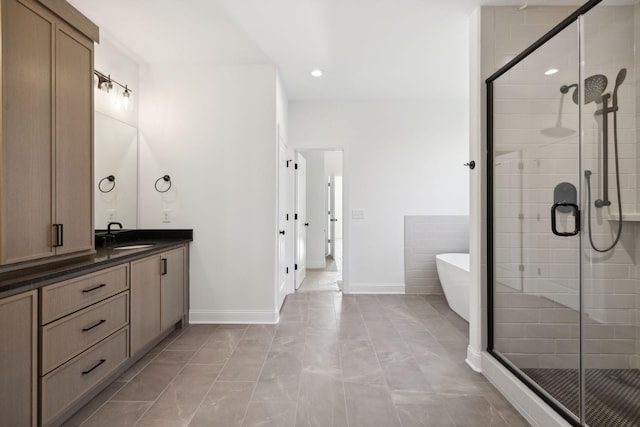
x: 559, y: 131
x: 594, y: 87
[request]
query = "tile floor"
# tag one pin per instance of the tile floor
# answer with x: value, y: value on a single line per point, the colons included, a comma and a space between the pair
x: 333, y: 361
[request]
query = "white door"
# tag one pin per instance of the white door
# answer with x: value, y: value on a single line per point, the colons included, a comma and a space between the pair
x: 301, y: 223
x: 283, y: 268
x: 332, y: 215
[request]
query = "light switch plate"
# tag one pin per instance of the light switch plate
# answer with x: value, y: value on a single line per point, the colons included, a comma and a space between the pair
x: 111, y: 215
x: 357, y: 214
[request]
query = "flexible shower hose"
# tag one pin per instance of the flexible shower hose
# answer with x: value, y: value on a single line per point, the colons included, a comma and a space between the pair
x: 587, y: 175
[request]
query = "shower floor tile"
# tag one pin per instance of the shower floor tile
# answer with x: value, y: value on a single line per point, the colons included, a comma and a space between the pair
x: 612, y: 395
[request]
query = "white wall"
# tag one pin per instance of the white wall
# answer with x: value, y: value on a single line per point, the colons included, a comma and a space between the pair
x: 113, y: 59
x: 316, y: 209
x: 400, y: 158
x: 212, y: 129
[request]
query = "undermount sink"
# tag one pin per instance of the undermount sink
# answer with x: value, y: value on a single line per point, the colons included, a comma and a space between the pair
x: 133, y: 246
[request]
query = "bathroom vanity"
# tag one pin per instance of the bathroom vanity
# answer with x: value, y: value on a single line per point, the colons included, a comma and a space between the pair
x: 73, y: 317
x: 69, y: 329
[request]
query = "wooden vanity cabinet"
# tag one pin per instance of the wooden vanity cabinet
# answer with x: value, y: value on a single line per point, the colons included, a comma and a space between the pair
x: 158, y: 291
x: 145, y: 301
x: 172, y: 288
x: 18, y: 360
x: 46, y: 145
x: 84, y: 337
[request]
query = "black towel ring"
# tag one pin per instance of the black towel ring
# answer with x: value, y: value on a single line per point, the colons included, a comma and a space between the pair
x: 111, y: 179
x: 165, y: 178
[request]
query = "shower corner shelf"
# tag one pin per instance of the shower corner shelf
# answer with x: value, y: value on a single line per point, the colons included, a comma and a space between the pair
x: 626, y: 217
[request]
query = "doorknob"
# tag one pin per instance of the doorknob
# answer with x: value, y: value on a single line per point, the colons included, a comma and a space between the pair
x: 306, y: 224
x: 334, y: 219
x: 282, y: 232
x: 471, y: 164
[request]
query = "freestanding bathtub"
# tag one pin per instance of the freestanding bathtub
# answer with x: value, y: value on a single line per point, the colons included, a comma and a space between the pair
x: 453, y: 271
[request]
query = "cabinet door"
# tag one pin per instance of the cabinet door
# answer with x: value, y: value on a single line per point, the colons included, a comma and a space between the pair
x: 172, y: 292
x: 18, y: 357
x: 74, y: 140
x: 145, y: 302
x: 27, y: 134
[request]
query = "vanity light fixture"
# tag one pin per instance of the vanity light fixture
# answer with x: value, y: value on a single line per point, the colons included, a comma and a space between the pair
x: 316, y: 72
x: 105, y: 83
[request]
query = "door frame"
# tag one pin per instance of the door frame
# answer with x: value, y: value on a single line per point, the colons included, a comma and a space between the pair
x: 344, y: 283
x: 288, y: 187
x: 299, y: 222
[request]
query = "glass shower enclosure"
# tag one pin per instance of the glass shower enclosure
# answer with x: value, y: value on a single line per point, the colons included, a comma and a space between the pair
x: 563, y: 215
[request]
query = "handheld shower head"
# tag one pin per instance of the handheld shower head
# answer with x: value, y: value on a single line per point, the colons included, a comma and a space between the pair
x: 622, y: 74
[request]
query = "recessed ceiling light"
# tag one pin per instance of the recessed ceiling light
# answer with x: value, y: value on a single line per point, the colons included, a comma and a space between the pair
x: 316, y: 72
x: 550, y: 71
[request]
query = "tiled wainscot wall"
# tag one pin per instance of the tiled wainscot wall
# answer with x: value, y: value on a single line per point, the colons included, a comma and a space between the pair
x: 424, y: 238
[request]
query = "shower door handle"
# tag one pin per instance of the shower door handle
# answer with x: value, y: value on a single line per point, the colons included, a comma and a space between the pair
x: 576, y: 214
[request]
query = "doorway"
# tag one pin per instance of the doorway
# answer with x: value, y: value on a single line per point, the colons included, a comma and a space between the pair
x: 319, y: 201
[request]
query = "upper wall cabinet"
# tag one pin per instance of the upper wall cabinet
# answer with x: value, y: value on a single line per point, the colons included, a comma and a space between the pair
x: 47, y: 131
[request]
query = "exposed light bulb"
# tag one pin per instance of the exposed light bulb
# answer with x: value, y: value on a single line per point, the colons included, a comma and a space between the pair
x: 126, y: 99
x: 316, y: 72
x: 550, y: 71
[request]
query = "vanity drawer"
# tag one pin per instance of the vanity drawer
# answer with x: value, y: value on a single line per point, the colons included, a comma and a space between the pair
x: 75, y: 294
x: 71, y: 335
x: 70, y: 381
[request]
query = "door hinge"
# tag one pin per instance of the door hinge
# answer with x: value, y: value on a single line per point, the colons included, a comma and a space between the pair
x: 295, y: 166
x: 296, y: 266
x: 288, y: 161
x: 295, y: 216
x: 287, y: 270
x: 287, y: 217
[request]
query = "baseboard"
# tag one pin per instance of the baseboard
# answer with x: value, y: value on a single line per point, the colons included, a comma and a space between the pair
x: 375, y: 288
x: 233, y: 316
x: 474, y: 359
x: 317, y: 264
x: 525, y: 401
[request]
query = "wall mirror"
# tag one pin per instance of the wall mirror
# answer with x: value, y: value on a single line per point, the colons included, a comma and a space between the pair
x: 115, y: 172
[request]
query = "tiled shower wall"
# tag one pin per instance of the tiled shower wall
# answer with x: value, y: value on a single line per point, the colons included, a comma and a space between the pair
x: 424, y: 238
x: 538, y: 273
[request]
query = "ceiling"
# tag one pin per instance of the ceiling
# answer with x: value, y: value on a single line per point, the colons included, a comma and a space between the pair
x: 368, y: 49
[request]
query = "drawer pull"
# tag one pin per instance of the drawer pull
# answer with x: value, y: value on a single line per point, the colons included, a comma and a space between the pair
x: 101, y: 285
x: 95, y: 325
x: 96, y: 366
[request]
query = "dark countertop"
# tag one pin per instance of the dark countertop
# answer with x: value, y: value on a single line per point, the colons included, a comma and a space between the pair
x: 34, y: 277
